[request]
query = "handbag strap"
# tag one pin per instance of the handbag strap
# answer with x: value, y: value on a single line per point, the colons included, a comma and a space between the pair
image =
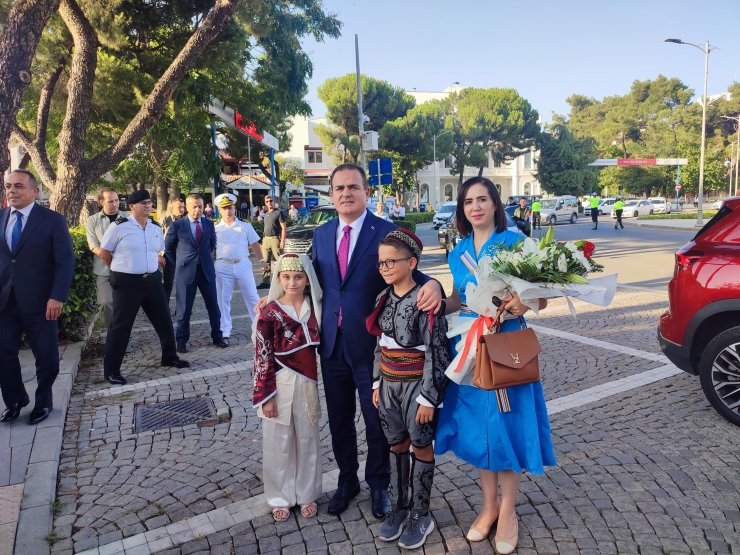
x: 497, y: 321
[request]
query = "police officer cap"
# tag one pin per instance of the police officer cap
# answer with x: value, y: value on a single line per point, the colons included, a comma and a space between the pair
x: 138, y: 196
x: 225, y: 199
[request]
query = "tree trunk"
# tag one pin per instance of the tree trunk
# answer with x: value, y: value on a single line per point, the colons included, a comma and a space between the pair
x: 159, y: 185
x: 68, y: 194
x: 18, y: 42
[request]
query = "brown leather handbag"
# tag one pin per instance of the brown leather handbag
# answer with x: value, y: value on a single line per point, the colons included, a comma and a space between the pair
x: 506, y: 359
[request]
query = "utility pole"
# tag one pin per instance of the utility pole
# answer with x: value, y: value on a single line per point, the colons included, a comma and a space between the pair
x: 360, y: 115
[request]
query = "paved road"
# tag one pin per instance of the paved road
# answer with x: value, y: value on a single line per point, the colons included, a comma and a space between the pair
x: 643, y: 257
x: 644, y: 464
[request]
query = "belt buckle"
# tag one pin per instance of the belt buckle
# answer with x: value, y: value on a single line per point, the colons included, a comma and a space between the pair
x: 144, y: 276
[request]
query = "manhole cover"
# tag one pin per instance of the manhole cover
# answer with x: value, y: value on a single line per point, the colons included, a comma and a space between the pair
x: 182, y: 412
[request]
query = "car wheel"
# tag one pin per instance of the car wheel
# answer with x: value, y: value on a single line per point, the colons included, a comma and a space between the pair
x: 719, y: 371
x: 650, y: 213
x: 635, y: 214
x: 552, y: 220
x: 573, y: 218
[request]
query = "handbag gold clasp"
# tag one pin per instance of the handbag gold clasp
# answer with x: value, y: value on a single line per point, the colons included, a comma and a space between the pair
x: 515, y: 357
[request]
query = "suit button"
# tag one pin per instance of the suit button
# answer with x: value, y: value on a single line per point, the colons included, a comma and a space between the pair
x: 341, y: 290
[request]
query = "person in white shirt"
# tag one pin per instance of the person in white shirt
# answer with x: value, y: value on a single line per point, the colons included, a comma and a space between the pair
x: 402, y: 212
x: 233, y: 239
x: 381, y: 213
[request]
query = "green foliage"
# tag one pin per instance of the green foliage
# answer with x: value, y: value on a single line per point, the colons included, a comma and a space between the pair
x: 381, y: 102
x: 493, y: 120
x: 406, y: 223
x: 81, y: 306
x: 679, y: 216
x: 419, y: 217
x: 562, y: 165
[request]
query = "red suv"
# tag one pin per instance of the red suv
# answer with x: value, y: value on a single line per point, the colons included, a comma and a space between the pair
x: 700, y: 331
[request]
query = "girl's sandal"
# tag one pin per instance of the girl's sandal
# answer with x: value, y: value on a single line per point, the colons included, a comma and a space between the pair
x: 280, y: 514
x: 309, y: 509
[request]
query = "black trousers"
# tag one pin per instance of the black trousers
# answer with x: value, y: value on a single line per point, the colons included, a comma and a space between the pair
x: 619, y: 218
x: 168, y: 278
x: 131, y: 291
x: 536, y: 220
x: 595, y: 216
x: 341, y: 379
x: 43, y: 336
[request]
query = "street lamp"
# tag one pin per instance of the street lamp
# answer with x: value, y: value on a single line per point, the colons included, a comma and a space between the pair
x: 706, y: 49
x: 434, y: 154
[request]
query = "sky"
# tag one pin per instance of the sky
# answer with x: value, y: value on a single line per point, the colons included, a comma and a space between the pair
x: 545, y: 49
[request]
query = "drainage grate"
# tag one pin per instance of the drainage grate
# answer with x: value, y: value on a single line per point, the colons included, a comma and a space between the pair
x: 199, y: 410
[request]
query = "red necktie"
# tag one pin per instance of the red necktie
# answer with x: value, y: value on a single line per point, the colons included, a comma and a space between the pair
x: 343, y: 257
x: 198, y: 233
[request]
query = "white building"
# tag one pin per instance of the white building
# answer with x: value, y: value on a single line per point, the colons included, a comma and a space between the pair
x: 436, y: 183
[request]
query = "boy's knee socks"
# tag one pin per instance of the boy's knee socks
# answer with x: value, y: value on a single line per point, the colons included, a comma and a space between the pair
x: 422, y: 478
x: 398, y: 490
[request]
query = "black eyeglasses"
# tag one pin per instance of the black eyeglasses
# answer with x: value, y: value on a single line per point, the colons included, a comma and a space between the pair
x: 390, y: 262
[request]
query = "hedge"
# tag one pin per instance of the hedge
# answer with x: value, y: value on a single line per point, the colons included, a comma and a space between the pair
x: 419, y: 217
x: 405, y: 223
x: 82, y: 304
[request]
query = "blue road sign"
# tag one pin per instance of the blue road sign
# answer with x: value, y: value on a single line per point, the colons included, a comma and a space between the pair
x: 380, y: 172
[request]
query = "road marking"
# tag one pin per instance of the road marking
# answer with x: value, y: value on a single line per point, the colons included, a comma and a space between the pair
x: 179, y: 378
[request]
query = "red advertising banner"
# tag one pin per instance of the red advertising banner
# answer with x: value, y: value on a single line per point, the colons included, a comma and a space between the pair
x: 247, y: 126
x: 636, y: 161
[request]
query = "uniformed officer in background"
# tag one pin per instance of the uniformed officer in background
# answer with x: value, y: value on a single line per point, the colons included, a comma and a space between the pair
x: 233, y: 239
x: 133, y: 248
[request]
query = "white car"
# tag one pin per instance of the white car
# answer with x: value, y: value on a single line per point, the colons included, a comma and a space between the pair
x: 661, y: 205
x: 635, y: 208
x: 445, y: 211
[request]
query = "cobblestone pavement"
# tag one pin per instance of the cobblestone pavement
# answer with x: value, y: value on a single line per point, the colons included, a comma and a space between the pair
x: 648, y: 469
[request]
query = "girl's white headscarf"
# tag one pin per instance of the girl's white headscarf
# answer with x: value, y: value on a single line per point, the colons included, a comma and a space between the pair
x: 277, y: 291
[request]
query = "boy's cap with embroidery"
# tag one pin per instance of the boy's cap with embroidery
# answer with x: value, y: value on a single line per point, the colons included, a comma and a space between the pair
x: 408, y: 239
x: 291, y: 263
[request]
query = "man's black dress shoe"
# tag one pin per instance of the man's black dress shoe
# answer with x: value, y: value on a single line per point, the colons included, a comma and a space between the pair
x: 38, y: 415
x: 226, y: 340
x: 176, y: 363
x: 182, y: 348
x: 380, y: 505
x: 12, y: 412
x: 341, y: 498
x: 221, y: 343
x: 116, y: 380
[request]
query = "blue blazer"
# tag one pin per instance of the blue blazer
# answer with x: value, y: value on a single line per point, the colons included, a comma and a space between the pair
x: 357, y: 292
x: 180, y: 247
x: 44, y: 264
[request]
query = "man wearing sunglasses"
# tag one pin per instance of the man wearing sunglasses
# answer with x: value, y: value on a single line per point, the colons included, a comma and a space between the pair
x: 273, y: 240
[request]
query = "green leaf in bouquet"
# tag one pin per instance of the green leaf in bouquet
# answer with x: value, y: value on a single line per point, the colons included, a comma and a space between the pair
x: 548, y: 238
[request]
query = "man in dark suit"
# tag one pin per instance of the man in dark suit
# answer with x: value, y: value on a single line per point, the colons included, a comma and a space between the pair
x: 191, y: 242
x: 36, y: 268
x: 345, y: 256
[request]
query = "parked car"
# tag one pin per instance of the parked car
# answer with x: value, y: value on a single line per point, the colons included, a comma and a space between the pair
x: 564, y: 208
x: 635, y: 208
x: 444, y: 213
x: 442, y: 231
x: 449, y: 237
x: 661, y: 205
x: 700, y: 331
x: 298, y: 237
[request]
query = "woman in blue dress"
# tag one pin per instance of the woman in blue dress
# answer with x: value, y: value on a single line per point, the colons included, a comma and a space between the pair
x: 500, y: 444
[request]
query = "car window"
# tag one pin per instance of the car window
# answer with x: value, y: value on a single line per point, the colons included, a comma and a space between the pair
x: 723, y: 212
x: 548, y: 203
x: 446, y: 209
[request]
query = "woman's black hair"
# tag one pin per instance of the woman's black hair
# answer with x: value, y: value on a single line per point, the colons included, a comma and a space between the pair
x: 464, y: 227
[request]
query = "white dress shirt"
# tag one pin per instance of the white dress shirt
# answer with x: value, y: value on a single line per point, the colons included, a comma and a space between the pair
x: 135, y: 249
x: 11, y: 222
x: 353, y: 235
x: 233, y: 241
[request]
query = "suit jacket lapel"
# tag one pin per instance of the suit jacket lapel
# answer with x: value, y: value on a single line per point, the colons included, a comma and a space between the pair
x: 364, y: 239
x: 331, y: 238
x: 4, y: 215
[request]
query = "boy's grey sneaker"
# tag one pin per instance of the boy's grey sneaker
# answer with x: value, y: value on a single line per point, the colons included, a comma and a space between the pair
x: 392, y: 526
x: 415, y: 532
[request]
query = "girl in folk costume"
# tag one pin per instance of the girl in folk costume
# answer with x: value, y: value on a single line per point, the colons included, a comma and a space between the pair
x: 286, y: 393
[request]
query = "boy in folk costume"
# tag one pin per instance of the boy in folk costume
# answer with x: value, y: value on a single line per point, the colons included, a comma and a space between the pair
x: 410, y: 361
x: 286, y: 394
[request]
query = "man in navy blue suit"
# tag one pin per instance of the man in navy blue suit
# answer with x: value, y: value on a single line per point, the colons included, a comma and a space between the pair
x: 36, y: 268
x: 191, y: 242
x: 345, y: 256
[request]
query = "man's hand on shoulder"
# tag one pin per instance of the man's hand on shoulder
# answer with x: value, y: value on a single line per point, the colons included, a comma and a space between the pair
x: 53, y: 309
x: 260, y: 305
x: 429, y: 298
